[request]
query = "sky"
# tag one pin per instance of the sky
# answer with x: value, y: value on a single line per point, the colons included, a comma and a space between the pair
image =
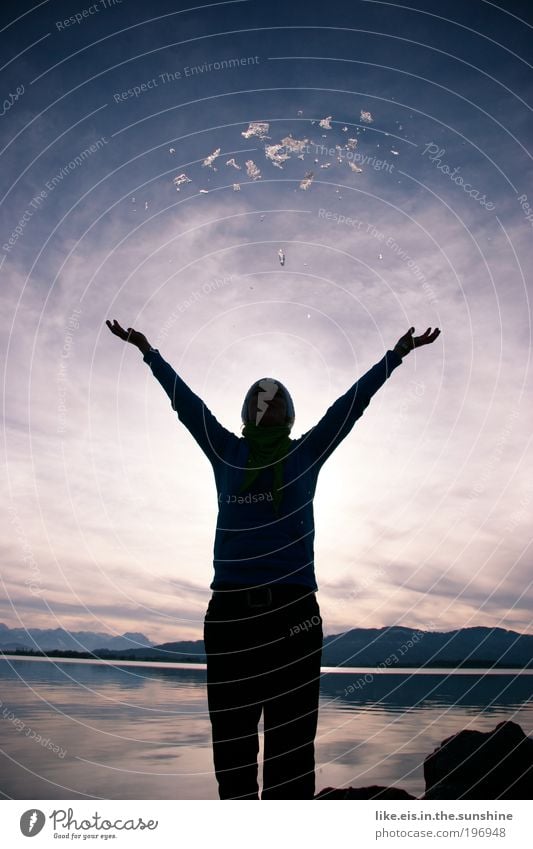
x: 385, y: 148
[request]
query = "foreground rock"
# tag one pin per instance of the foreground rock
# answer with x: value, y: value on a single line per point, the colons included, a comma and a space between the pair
x: 476, y: 765
x: 373, y: 792
x: 497, y: 764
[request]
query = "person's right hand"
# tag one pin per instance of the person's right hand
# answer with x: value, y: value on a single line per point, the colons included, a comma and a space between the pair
x: 129, y: 335
x: 408, y: 341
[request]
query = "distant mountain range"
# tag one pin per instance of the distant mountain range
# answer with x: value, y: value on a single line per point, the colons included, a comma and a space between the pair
x: 49, y: 639
x: 389, y: 647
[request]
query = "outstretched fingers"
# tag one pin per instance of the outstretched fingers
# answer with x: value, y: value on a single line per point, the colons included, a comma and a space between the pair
x: 117, y: 329
x: 427, y: 337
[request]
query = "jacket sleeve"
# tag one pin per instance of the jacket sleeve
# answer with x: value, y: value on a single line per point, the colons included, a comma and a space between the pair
x: 210, y: 435
x: 339, y: 419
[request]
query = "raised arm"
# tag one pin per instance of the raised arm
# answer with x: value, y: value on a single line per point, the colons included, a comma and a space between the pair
x: 339, y: 419
x: 210, y: 435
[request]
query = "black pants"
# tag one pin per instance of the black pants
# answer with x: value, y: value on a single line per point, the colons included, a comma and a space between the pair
x: 263, y: 650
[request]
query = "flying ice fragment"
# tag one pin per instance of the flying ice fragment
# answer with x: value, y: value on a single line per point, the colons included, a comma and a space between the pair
x: 180, y: 180
x: 236, y: 187
x: 281, y: 257
x: 325, y: 123
x: 294, y: 145
x: 366, y: 117
x: 307, y: 180
x: 256, y: 128
x: 232, y: 162
x: 208, y: 161
x: 277, y: 154
x: 252, y: 170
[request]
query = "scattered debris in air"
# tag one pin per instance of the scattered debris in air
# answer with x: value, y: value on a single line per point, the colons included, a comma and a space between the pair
x: 256, y: 128
x: 252, y: 170
x: 307, y: 180
x: 280, y: 152
x: 208, y: 161
x: 180, y: 180
x: 281, y: 257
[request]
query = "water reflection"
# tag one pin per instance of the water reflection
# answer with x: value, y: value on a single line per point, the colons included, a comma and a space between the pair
x: 402, y: 691
x: 132, y: 732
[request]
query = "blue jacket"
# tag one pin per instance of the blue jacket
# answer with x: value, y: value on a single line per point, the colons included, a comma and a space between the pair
x: 254, y: 546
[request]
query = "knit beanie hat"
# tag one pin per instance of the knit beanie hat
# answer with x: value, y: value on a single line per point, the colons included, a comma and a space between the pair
x: 267, y: 388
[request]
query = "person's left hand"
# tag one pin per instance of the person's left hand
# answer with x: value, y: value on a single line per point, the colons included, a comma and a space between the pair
x: 408, y: 341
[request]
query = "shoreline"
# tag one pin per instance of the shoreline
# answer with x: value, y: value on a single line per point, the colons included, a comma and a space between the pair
x: 335, y: 670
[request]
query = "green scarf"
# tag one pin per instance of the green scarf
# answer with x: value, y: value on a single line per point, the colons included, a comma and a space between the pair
x: 268, y: 446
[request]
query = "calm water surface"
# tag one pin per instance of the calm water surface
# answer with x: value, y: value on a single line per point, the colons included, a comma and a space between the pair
x: 97, y: 730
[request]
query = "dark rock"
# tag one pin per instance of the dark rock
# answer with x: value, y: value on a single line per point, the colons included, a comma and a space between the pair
x: 373, y: 792
x: 476, y: 765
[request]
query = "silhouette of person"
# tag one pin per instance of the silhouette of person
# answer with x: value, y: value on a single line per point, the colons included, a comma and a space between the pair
x: 262, y: 628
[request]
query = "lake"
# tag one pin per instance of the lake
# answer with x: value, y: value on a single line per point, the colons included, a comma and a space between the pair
x: 116, y: 730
